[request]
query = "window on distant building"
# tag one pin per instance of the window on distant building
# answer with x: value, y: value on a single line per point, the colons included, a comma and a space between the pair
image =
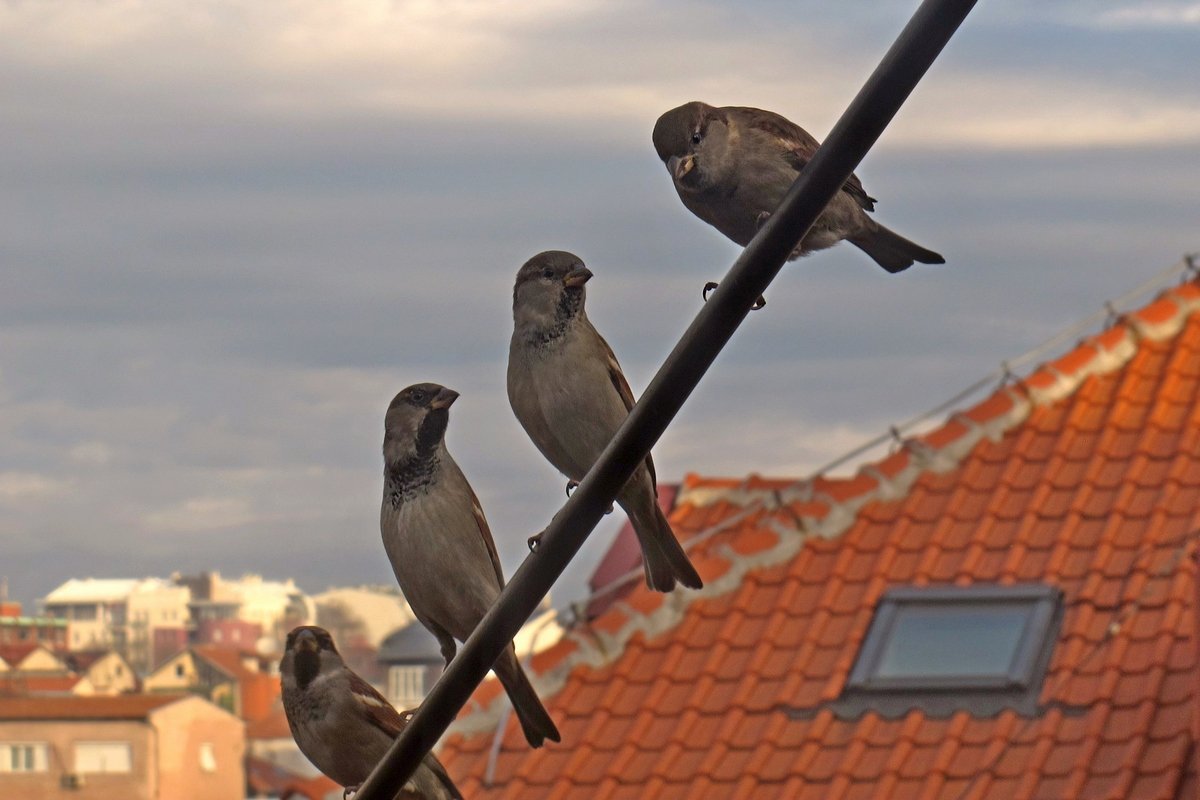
x: 406, y: 686
x: 208, y: 757
x: 180, y: 670
x: 103, y: 757
x: 944, y: 648
x: 23, y: 756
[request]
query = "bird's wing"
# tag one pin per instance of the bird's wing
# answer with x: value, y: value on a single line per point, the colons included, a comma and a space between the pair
x: 622, y: 386
x: 378, y: 710
x: 486, y: 534
x: 800, y: 146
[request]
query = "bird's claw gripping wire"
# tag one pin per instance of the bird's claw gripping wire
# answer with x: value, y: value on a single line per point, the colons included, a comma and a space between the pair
x: 708, y: 287
x: 573, y: 485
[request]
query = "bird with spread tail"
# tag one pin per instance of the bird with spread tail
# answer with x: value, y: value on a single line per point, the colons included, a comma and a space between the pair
x: 439, y: 543
x: 569, y: 394
x: 340, y: 723
x: 732, y: 166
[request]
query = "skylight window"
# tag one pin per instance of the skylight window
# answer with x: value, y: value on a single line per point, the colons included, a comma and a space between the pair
x: 966, y: 643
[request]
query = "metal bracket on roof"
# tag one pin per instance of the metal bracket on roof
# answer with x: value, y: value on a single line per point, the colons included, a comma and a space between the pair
x: 1114, y: 316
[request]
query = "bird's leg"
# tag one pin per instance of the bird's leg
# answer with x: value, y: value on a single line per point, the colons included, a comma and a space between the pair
x: 572, y: 486
x: 708, y: 287
x: 759, y: 221
x: 533, y: 541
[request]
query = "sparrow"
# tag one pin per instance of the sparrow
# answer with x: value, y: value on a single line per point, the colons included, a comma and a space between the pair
x: 439, y: 544
x: 569, y: 394
x: 340, y: 723
x: 732, y: 166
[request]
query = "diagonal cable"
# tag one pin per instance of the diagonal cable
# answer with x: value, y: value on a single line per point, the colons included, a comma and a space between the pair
x: 902, y: 67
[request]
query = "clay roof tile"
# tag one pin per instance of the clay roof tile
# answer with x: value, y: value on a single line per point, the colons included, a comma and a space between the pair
x: 1088, y: 479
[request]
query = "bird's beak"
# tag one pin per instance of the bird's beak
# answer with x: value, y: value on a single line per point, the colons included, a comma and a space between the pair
x: 679, y: 167
x: 577, y: 277
x: 306, y: 642
x: 444, y: 398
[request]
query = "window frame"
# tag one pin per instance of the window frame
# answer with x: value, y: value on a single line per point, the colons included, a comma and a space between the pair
x: 207, y: 757
x: 406, y: 684
x: 124, y: 744
x: 1029, y: 656
x: 39, y: 753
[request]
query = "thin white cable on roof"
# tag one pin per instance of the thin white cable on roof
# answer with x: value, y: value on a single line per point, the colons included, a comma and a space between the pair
x: 1185, y: 266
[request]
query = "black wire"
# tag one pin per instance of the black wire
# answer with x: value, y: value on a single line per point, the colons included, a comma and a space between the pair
x: 914, y: 51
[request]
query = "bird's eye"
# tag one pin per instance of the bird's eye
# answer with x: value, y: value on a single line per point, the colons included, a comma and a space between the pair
x: 697, y: 136
x: 547, y: 273
x: 418, y: 396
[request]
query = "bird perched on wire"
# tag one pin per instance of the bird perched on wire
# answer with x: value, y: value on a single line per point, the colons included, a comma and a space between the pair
x: 732, y: 166
x: 438, y: 540
x: 340, y: 723
x: 568, y: 392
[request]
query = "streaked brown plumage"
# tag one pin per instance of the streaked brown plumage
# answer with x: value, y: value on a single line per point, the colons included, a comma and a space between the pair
x: 568, y: 392
x: 439, y: 544
x: 340, y: 723
x: 732, y: 166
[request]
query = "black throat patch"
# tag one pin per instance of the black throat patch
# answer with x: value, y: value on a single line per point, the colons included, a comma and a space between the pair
x: 405, y: 479
x: 307, y: 664
x: 568, y: 307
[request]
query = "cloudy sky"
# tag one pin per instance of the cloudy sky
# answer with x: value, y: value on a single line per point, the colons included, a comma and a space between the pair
x: 231, y: 231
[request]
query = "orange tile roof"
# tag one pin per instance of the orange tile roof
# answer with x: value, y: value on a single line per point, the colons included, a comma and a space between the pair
x: 129, y: 706
x: 260, y: 694
x: 227, y: 659
x: 271, y: 725
x: 1085, y: 475
x: 82, y: 660
x: 22, y: 683
x: 14, y: 654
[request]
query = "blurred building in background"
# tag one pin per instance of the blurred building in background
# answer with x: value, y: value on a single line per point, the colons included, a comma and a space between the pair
x: 226, y: 612
x: 18, y: 629
x: 143, y: 746
x: 121, y: 614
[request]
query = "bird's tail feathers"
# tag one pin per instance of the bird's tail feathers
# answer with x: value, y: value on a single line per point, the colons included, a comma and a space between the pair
x: 892, y: 251
x: 663, y: 557
x: 535, y: 720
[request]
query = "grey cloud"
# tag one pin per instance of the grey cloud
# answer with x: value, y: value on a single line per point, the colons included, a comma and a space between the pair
x: 222, y: 280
